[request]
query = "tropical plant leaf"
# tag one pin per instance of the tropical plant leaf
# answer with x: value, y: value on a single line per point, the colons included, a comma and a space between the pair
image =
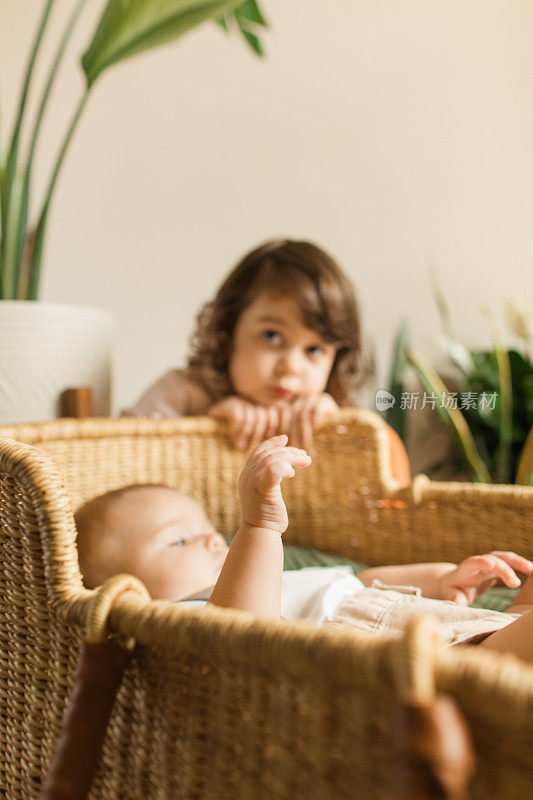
x: 10, y: 225
x: 222, y: 20
x: 453, y: 419
x: 442, y: 305
x: 128, y: 27
x: 458, y: 354
x: 40, y: 229
x: 254, y: 42
x: 21, y: 280
x: 10, y: 178
x: 247, y: 17
x: 519, y: 321
x: 503, y: 459
x: 249, y: 10
x: 524, y: 472
x: 396, y: 415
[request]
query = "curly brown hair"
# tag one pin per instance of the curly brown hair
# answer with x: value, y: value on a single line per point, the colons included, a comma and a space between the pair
x: 317, y: 284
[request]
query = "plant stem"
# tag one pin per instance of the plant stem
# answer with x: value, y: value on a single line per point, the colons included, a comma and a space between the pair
x: 21, y: 277
x: 503, y: 455
x: 35, y: 264
x: 11, y: 165
x: 453, y: 418
x: 524, y: 472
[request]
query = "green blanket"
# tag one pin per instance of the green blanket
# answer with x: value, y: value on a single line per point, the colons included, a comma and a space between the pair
x: 497, y: 599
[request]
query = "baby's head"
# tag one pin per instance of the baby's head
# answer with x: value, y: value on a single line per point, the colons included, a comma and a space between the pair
x: 153, y: 532
x: 284, y: 294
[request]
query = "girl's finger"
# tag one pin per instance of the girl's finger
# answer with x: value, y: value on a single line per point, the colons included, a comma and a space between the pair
x: 307, y: 425
x: 295, y: 438
x: 236, y: 421
x: 272, y: 421
x: 248, y: 426
x: 285, y: 419
x: 302, y: 427
x: 258, y: 432
x: 323, y: 406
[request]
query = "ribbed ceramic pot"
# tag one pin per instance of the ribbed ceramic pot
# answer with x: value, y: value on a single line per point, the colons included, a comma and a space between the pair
x: 45, y: 349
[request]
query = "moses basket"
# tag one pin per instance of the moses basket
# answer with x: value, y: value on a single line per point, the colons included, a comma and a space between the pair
x: 217, y: 704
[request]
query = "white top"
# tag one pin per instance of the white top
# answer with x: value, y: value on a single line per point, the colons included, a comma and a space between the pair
x: 313, y: 593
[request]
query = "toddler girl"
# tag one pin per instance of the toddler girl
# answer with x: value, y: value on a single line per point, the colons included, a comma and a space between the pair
x: 277, y: 348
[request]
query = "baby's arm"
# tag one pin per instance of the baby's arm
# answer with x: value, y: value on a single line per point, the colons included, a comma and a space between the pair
x: 251, y: 575
x: 461, y: 583
x: 425, y: 576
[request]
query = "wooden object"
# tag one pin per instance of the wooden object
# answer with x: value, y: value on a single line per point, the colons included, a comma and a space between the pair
x: 77, y: 402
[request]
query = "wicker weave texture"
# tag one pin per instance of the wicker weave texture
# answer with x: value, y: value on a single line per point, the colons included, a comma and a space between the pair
x: 217, y: 704
x: 346, y: 502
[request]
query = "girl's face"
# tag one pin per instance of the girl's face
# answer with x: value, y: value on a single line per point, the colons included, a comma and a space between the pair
x: 275, y: 358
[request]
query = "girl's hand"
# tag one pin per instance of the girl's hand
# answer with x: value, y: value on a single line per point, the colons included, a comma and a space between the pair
x: 476, y: 574
x: 248, y: 424
x: 262, y: 503
x: 300, y: 419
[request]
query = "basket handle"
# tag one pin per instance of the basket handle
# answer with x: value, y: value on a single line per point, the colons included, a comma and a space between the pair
x: 432, y: 749
x: 98, y: 676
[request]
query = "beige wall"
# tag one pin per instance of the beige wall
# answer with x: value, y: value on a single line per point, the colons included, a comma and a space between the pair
x: 398, y: 134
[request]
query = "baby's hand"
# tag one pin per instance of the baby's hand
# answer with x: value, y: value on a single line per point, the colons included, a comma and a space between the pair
x: 248, y: 424
x: 300, y: 419
x: 260, y: 483
x: 476, y: 574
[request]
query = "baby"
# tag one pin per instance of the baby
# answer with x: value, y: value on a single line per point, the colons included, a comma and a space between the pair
x: 165, y: 539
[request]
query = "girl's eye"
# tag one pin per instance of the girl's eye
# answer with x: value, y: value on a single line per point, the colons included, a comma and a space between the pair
x: 178, y: 543
x: 315, y: 351
x: 271, y: 336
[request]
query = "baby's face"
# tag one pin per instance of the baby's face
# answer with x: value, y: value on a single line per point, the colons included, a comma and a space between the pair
x: 165, y: 539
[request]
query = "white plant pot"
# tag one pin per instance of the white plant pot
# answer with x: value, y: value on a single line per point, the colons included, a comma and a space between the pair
x: 45, y: 349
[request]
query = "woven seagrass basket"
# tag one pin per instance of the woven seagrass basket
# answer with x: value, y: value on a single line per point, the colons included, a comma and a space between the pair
x: 218, y: 705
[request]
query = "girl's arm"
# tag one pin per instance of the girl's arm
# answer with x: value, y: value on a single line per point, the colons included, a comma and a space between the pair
x: 251, y: 575
x: 175, y: 394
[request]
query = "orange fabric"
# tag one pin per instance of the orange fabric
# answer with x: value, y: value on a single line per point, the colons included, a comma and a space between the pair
x: 399, y: 461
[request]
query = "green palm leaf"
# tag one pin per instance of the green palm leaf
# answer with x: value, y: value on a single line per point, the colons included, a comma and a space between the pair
x: 128, y: 27
x: 503, y: 456
x: 396, y: 416
x: 247, y: 18
x: 453, y: 418
x: 524, y: 472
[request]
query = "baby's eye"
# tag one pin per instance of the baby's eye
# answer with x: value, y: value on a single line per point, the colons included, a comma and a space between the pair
x: 271, y: 336
x: 315, y: 351
x: 178, y: 543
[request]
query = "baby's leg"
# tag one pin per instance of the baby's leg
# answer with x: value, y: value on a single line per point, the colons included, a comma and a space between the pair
x: 515, y: 638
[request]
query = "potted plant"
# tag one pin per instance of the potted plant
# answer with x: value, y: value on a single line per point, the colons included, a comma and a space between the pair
x: 489, y: 408
x: 45, y: 348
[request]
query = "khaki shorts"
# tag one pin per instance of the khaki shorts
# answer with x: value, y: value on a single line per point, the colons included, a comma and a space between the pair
x: 384, y: 610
